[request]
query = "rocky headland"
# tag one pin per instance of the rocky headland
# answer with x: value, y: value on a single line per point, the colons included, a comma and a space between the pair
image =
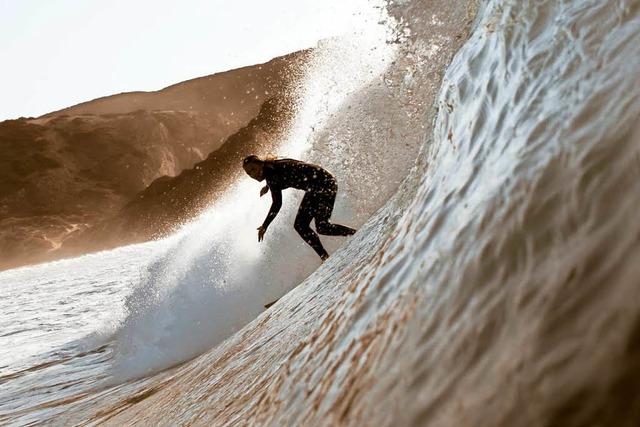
x: 131, y: 167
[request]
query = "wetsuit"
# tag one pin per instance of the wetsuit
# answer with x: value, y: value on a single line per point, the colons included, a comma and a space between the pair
x: 320, y: 189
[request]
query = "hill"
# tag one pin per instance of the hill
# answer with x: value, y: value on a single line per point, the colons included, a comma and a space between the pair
x: 67, y: 171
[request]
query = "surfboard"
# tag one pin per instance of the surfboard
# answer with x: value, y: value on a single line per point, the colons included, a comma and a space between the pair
x: 269, y: 304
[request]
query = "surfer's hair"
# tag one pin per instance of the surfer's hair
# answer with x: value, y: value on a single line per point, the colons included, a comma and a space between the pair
x: 251, y: 159
x: 255, y: 159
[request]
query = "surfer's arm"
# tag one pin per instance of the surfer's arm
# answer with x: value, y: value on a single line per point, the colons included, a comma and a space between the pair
x: 276, y: 196
x: 264, y: 190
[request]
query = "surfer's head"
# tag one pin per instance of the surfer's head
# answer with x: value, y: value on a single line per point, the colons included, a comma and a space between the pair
x: 254, y: 167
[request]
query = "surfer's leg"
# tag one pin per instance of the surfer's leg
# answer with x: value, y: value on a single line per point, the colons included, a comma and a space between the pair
x: 328, y: 229
x: 322, y: 212
x: 301, y: 224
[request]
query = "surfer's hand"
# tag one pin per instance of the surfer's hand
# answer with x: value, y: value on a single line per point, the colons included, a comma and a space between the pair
x: 264, y: 190
x: 261, y: 231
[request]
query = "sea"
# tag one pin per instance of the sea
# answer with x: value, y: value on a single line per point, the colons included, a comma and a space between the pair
x: 488, y: 153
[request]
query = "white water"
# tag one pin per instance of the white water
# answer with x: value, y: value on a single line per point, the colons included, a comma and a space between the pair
x: 498, y: 285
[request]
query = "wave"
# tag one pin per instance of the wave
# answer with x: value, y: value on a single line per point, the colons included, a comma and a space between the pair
x: 496, y: 287
x: 488, y: 290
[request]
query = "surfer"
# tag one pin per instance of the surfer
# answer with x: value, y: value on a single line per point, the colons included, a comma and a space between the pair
x: 320, y: 189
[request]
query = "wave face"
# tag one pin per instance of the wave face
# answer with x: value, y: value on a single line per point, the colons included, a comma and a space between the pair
x: 497, y: 287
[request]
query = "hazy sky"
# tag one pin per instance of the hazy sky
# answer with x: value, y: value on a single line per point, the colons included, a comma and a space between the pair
x: 57, y: 53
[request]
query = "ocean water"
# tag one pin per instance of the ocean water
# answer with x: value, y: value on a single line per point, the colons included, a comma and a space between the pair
x: 493, y: 280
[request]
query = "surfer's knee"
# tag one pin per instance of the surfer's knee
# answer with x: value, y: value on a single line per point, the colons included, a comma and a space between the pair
x: 301, y: 227
x: 322, y: 227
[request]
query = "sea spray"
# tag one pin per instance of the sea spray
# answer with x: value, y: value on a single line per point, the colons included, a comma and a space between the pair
x: 215, y: 277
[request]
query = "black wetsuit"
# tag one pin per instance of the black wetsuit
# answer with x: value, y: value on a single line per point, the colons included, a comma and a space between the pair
x: 320, y: 189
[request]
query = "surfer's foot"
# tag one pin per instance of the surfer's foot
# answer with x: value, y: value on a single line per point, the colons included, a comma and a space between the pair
x: 324, y: 257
